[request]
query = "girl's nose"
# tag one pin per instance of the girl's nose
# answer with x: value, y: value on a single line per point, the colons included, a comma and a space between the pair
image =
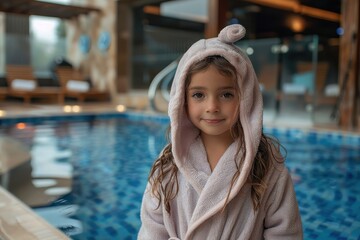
x: 212, y: 105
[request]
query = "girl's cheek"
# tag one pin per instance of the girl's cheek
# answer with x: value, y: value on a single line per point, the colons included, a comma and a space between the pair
x: 236, y: 115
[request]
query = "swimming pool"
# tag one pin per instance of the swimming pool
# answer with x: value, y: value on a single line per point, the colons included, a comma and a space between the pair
x: 108, y: 158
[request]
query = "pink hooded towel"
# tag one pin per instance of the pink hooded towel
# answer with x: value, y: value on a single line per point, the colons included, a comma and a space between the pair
x: 196, y: 212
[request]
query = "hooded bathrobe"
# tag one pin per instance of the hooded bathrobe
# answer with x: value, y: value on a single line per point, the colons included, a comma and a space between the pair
x: 197, y: 211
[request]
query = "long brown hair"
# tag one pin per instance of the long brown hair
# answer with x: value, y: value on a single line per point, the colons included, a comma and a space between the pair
x: 163, y: 175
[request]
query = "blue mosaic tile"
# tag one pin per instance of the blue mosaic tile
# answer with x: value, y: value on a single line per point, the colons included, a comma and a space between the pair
x: 111, y: 155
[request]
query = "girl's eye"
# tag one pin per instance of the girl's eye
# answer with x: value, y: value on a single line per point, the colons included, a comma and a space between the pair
x: 197, y: 95
x: 227, y: 95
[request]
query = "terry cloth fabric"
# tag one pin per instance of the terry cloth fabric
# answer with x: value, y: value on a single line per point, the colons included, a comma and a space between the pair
x: 196, y: 212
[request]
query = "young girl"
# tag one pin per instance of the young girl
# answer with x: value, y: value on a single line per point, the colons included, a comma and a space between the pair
x: 220, y: 177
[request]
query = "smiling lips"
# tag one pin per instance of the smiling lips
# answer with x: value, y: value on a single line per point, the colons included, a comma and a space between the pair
x: 212, y: 121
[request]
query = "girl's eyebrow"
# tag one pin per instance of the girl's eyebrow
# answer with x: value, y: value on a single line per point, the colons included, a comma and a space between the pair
x: 197, y: 88
x: 204, y: 88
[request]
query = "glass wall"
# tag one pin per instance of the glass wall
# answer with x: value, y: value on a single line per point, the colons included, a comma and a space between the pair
x: 2, y: 45
x: 298, y: 59
x: 158, y: 47
x: 17, y: 49
x: 310, y: 78
x: 40, y: 47
x: 298, y: 77
x: 265, y: 59
x: 47, y: 43
x: 327, y: 81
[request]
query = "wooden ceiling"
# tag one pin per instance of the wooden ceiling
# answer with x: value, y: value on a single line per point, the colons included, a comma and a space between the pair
x: 32, y: 7
x: 303, y: 7
x: 141, y: 3
x: 272, y: 18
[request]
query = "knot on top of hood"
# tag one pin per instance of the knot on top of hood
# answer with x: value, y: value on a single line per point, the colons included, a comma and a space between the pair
x: 232, y: 33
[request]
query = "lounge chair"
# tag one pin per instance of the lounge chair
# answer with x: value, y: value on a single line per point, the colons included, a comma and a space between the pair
x: 74, y: 85
x: 23, y: 84
x: 304, y: 88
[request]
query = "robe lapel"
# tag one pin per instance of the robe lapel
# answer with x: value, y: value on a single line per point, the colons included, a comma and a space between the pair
x: 212, y: 187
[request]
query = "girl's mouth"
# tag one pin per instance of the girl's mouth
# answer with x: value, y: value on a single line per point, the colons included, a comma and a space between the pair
x: 212, y: 121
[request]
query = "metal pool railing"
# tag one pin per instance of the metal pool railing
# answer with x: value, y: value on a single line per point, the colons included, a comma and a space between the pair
x: 163, y: 81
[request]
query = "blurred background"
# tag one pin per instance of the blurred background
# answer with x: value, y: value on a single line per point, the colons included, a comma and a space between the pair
x: 305, y: 52
x: 67, y: 68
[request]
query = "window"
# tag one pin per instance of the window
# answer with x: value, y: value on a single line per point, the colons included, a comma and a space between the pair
x: 47, y: 42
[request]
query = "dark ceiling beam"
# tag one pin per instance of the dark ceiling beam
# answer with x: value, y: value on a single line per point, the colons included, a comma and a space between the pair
x: 31, y: 7
x: 140, y: 3
x: 296, y: 7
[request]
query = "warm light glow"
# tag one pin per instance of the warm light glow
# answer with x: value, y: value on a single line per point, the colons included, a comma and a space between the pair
x: 21, y: 126
x: 2, y: 113
x: 152, y: 10
x: 67, y: 108
x: 70, y: 109
x: 121, y: 108
x: 76, y: 108
x: 296, y: 24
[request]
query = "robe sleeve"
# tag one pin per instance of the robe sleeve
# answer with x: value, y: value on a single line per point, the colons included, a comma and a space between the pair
x: 152, y: 222
x: 282, y: 220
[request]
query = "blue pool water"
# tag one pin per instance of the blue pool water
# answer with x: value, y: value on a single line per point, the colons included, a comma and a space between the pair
x: 109, y: 159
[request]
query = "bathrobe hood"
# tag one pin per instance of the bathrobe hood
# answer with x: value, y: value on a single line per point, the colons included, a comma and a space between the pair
x: 198, y: 211
x: 184, y: 133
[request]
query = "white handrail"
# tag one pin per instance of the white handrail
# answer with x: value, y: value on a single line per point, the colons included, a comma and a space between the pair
x: 156, y: 82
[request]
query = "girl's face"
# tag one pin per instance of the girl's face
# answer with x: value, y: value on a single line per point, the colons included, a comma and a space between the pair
x: 212, y: 102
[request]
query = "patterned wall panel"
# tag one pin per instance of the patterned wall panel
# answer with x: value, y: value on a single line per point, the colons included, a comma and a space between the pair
x: 91, y: 44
